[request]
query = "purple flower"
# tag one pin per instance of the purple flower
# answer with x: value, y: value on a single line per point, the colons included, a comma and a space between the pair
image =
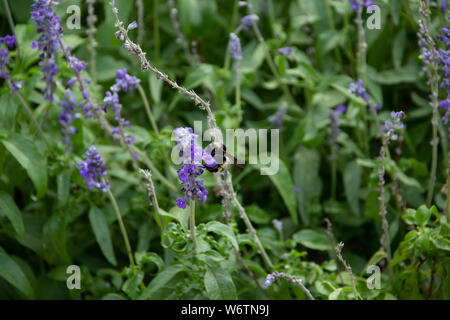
x: 132, y: 25
x: 93, y: 170
x: 66, y: 117
x: 192, y: 166
x: 277, y: 119
x: 9, y: 40
x: 392, y: 125
x: 249, y: 20
x: 234, y: 46
x: 357, y: 88
x: 50, y: 31
x: 334, y: 115
x: 269, y: 280
x: 285, y: 51
x: 124, y: 81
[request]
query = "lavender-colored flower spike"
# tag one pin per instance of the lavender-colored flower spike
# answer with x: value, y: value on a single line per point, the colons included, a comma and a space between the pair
x: 285, y: 51
x: 126, y: 83
x: 50, y: 32
x: 392, y: 125
x: 192, y: 166
x: 269, y: 280
x: 334, y: 115
x: 234, y: 46
x: 359, y: 90
x: 277, y: 119
x: 10, y: 42
x: 93, y: 170
x: 67, y: 116
x: 249, y: 20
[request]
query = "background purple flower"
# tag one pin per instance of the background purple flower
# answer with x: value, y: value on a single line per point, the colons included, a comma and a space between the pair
x: 285, y: 51
x: 50, y: 31
x: 67, y: 116
x: 234, y: 46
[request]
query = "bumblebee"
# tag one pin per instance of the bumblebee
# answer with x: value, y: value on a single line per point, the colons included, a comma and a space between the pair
x: 219, y: 166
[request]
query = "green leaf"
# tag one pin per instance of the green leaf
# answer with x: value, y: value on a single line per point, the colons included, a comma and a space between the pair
x: 398, y: 47
x: 219, y: 285
x: 352, y: 185
x: 224, y: 230
x: 307, y: 179
x: 256, y: 214
x: 113, y: 296
x: 423, y: 214
x: 25, y: 152
x: 146, y: 257
x: 155, y: 87
x: 283, y: 182
x: 102, y: 235
x: 63, y: 187
x: 198, y: 76
x: 161, y: 280
x: 9, y: 209
x: 441, y: 243
x: 11, y: 272
x: 313, y: 239
x: 400, y: 75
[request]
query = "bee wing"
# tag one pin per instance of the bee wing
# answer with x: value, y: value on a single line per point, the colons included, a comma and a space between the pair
x: 234, y: 160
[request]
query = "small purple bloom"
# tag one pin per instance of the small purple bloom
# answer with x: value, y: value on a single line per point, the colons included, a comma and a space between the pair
x: 285, y: 51
x: 249, y: 20
x: 132, y: 25
x: 357, y: 88
x: 277, y: 119
x: 66, y: 117
x: 234, y: 46
x: 93, y: 170
x: 269, y: 280
x: 365, y: 3
x: 9, y: 40
x: 392, y: 125
x: 334, y: 115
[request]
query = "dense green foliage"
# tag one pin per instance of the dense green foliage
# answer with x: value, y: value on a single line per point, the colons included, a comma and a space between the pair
x: 49, y: 219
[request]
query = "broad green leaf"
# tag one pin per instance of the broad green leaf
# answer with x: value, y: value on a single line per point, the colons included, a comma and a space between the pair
x: 256, y: 214
x: 146, y: 257
x: 63, y: 187
x: 401, y: 75
x: 25, y: 152
x: 224, y: 230
x: 198, y: 76
x: 352, y: 185
x: 283, y: 182
x: 219, y: 285
x: 9, y: 209
x: 336, y: 295
x: 307, y: 179
x: 313, y: 239
x: 155, y: 86
x: 423, y: 214
x: 102, y: 235
x: 441, y: 243
x: 398, y: 47
x: 180, y: 215
x: 11, y: 272
x: 161, y: 280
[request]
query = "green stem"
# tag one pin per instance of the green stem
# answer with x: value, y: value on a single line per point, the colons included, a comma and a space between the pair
x: 122, y: 227
x: 434, y: 158
x: 337, y: 53
x: 333, y: 172
x: 147, y: 109
x: 237, y: 87
x: 226, y: 64
x: 192, y: 222
x: 272, y: 17
x: 156, y: 31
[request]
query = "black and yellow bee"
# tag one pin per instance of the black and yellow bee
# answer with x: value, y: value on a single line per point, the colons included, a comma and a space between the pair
x: 220, y: 164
